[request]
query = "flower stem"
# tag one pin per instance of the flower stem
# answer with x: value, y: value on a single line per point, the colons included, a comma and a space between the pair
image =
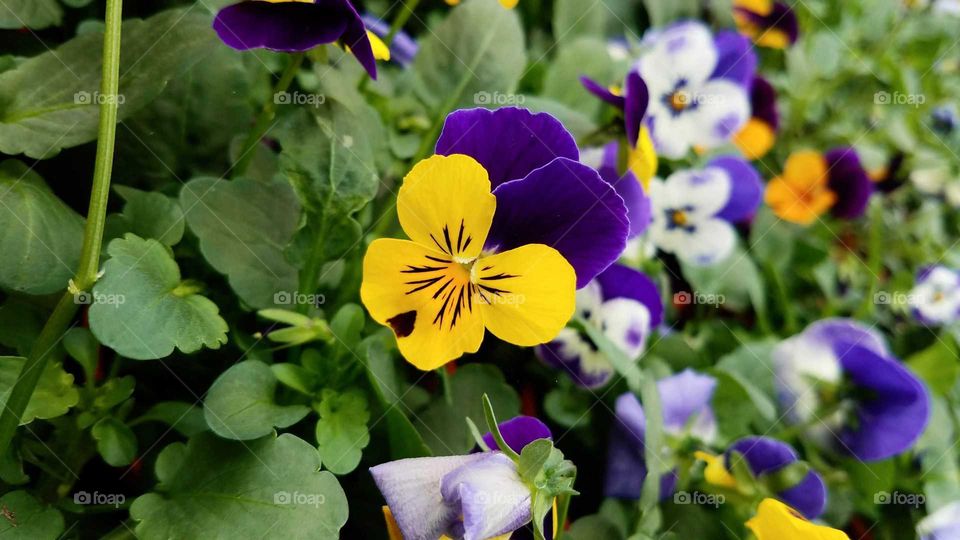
x: 875, y: 262
x: 266, y: 116
x: 86, y: 274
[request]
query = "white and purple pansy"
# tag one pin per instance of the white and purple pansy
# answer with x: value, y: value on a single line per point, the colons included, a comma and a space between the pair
x: 693, y: 210
x: 624, y: 305
x: 943, y: 524
x: 544, y: 194
x: 472, y: 497
x: 698, y: 86
x: 935, y: 299
x: 765, y: 456
x: 838, y: 377
x: 685, y: 401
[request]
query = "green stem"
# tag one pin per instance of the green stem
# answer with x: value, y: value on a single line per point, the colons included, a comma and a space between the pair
x: 92, y: 235
x: 786, y: 303
x: 266, y: 116
x: 875, y: 260
x: 447, y: 388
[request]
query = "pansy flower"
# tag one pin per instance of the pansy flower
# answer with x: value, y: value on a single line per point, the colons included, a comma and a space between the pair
x: 502, y: 232
x: 685, y: 402
x: 402, y: 49
x: 509, y: 4
x: 296, y: 26
x: 766, y: 22
x: 605, y: 160
x: 777, y: 521
x: 876, y: 407
x: 813, y: 184
x: 693, y: 210
x: 698, y: 85
x: 474, y: 497
x: 758, y: 135
x: 943, y: 524
x: 624, y: 305
x: 936, y: 297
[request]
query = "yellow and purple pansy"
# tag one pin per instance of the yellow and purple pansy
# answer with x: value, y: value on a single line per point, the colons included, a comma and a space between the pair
x: 402, y: 49
x: 509, y: 4
x: 777, y: 521
x: 759, y: 134
x: 813, y: 184
x: 504, y: 224
x: 296, y: 26
x: 935, y: 299
x: 767, y: 22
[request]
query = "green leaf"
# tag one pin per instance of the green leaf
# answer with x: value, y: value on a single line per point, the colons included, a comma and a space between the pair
x: 295, y: 376
x: 115, y: 441
x: 244, y: 226
x: 35, y: 14
x: 151, y: 215
x: 733, y: 282
x: 937, y: 365
x: 476, y: 54
x: 568, y: 407
x: 55, y: 393
x: 573, y: 18
x: 114, y: 392
x: 40, y: 236
x: 214, y: 488
x: 443, y: 426
x: 578, y: 124
x: 20, y: 324
x: 51, y: 101
x: 143, y: 311
x: 31, y: 520
x: 593, y: 527
x: 532, y: 459
x: 187, y: 419
x: 342, y: 432
x: 586, y: 56
x: 83, y: 347
x: 241, y: 406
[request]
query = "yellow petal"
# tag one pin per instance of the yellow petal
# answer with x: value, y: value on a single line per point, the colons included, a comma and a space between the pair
x: 445, y: 203
x: 760, y: 7
x: 509, y: 4
x: 773, y: 38
x: 642, y: 160
x: 777, y: 521
x: 755, y: 139
x: 805, y: 168
x: 526, y: 295
x: 380, y: 49
x: 424, y: 296
x: 798, y: 204
x: 452, y: 2
x: 393, y: 530
x: 716, y: 472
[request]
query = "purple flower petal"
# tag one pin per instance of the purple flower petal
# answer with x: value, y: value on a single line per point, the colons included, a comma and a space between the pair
x: 637, y: 99
x: 626, y: 468
x: 602, y: 92
x: 736, y: 60
x: 781, y: 18
x: 620, y: 281
x: 565, y: 205
x: 683, y: 396
x: 896, y: 411
x: 849, y: 181
x: 563, y: 353
x: 403, y: 48
x: 746, y: 188
x: 519, y: 432
x: 841, y: 334
x: 492, y: 498
x: 765, y: 455
x: 508, y: 142
x: 629, y: 189
x: 763, y: 102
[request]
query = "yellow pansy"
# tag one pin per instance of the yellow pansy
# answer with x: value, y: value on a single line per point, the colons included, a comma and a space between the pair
x: 755, y: 139
x: 716, y: 472
x: 801, y: 194
x: 438, y: 291
x: 777, y: 521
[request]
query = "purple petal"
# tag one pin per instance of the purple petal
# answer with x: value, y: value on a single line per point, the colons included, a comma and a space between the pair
x: 895, y: 412
x: 840, y: 334
x: 355, y: 37
x: 746, y: 188
x: 629, y: 189
x: 558, y: 354
x: 763, y: 102
x: 736, y: 60
x: 637, y: 98
x: 602, y: 92
x: 625, y: 466
x: 403, y: 48
x: 620, y: 281
x: 287, y: 26
x: 492, y: 498
x: 519, y: 432
x: 509, y: 142
x: 765, y: 455
x: 565, y: 205
x: 684, y: 395
x: 781, y: 18
x: 849, y: 181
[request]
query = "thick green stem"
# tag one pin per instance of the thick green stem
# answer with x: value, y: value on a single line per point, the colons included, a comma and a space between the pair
x: 92, y: 235
x: 266, y: 116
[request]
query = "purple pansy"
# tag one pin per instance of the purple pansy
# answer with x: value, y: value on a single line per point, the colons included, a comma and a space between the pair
x: 693, y: 210
x: 776, y: 26
x: 935, y: 299
x: 295, y: 26
x: 883, y: 407
x: 519, y: 432
x: 850, y: 181
x: 764, y: 455
x: 633, y: 102
x: 544, y: 194
x: 403, y: 48
x: 685, y: 401
x: 604, y: 160
x: 624, y: 305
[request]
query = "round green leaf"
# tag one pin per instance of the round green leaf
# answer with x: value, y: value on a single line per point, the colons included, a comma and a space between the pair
x: 55, y: 393
x: 342, y: 429
x: 26, y: 518
x: 115, y: 441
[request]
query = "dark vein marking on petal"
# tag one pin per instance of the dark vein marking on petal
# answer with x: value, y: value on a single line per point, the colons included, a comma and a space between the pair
x: 501, y: 275
x: 446, y: 238
x: 460, y: 237
x: 439, y: 246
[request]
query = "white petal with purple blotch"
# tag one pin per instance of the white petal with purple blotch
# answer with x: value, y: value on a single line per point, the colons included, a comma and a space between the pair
x: 711, y: 241
x: 684, y: 51
x: 593, y: 365
x: 800, y: 364
x: 723, y: 107
x: 589, y: 300
x: 944, y: 524
x: 626, y: 323
x: 937, y: 296
x: 491, y: 497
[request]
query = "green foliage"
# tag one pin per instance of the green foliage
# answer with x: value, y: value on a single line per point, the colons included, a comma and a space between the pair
x: 31, y: 519
x: 54, y: 396
x: 342, y: 431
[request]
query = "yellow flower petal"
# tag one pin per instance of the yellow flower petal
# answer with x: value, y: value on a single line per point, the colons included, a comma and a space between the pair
x: 642, y: 160
x: 380, y: 49
x: 425, y: 297
x: 509, y: 4
x: 526, y: 295
x: 760, y: 7
x: 716, y: 472
x: 755, y: 139
x: 777, y: 521
x: 445, y: 203
x: 805, y: 168
x: 393, y: 530
x: 773, y: 38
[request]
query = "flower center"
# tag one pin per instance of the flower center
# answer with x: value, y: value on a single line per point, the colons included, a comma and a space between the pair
x: 679, y: 100
x: 679, y: 218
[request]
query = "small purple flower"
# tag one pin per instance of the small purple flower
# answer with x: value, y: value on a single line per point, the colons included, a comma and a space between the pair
x: 403, y: 48
x: 881, y: 408
x: 685, y: 402
x: 623, y: 304
x: 765, y: 456
x: 295, y: 26
x: 544, y: 194
x: 849, y: 181
x: 936, y: 297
